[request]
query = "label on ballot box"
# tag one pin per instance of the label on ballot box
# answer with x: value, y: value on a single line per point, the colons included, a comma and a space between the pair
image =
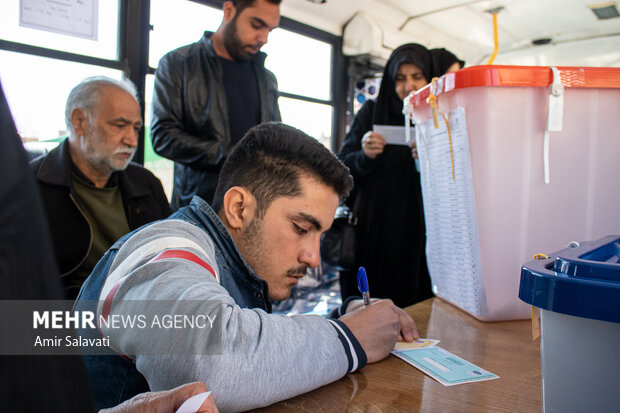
x: 452, y: 240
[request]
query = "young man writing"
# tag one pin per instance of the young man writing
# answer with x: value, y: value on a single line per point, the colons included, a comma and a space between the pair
x: 276, y: 195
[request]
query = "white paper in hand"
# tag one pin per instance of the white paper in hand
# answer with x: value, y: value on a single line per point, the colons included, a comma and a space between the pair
x: 394, y: 135
x: 192, y: 404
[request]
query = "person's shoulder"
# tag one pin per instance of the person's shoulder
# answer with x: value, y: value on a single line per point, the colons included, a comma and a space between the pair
x: 136, y: 168
x: 183, y: 60
x: 176, y: 231
x: 137, y: 171
x: 271, y: 77
x: 369, y: 105
x: 170, y: 227
x: 367, y: 109
x: 35, y: 164
x: 166, y: 234
x: 185, y: 52
x: 50, y: 161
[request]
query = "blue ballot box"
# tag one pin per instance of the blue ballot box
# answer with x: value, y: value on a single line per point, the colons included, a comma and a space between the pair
x: 578, y: 292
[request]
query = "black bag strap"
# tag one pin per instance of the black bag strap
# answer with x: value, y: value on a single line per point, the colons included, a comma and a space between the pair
x: 348, y: 209
x: 357, y: 202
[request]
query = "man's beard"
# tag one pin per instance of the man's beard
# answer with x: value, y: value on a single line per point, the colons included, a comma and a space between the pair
x: 251, y: 240
x: 95, y: 153
x: 232, y: 42
x: 253, y: 246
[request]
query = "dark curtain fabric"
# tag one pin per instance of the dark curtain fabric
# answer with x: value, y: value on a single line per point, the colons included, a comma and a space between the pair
x: 28, y: 272
x: 443, y: 59
x: 390, y: 233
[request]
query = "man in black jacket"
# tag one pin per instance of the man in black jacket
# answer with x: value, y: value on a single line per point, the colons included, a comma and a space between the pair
x: 209, y: 93
x: 91, y: 192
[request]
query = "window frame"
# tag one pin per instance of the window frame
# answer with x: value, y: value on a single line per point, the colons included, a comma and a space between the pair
x: 133, y: 54
x: 338, y: 93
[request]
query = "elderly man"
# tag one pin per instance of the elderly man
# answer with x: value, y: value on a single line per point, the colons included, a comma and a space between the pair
x: 276, y: 195
x: 92, y: 192
x: 209, y: 93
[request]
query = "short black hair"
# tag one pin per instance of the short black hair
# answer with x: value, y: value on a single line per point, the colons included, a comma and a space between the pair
x: 269, y: 160
x: 242, y: 4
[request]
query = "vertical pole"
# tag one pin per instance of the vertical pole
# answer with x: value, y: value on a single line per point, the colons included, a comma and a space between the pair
x: 134, y: 52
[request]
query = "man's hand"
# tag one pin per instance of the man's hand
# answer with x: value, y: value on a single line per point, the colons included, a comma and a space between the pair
x: 408, y: 329
x: 373, y: 144
x: 378, y: 326
x: 165, y: 401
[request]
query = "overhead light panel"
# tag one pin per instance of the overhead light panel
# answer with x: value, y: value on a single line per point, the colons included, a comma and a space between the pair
x: 604, y: 11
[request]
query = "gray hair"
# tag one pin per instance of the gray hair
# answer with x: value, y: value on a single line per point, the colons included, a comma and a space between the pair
x: 87, y: 95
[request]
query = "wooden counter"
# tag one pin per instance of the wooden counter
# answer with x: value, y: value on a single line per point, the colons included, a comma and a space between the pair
x: 504, y: 348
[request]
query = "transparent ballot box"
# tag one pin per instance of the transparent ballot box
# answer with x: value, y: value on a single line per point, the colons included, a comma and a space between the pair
x: 514, y: 161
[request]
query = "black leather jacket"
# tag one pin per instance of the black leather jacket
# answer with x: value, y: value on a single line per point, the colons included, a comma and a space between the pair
x: 143, y: 198
x: 190, y: 116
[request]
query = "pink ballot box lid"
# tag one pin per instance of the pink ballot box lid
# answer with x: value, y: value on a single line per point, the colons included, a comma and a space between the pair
x: 513, y: 161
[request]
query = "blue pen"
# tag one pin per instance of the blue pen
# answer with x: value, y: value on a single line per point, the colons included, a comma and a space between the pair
x: 362, y: 284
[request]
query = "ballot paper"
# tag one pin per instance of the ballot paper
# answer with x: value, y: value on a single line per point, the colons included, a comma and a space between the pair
x: 443, y: 366
x: 419, y: 343
x: 192, y: 405
x: 394, y: 135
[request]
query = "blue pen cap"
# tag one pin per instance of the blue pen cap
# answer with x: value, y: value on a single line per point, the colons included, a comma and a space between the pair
x: 362, y: 281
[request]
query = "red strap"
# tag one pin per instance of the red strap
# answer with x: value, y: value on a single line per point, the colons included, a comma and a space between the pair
x: 185, y: 255
x: 107, y: 304
x: 105, y: 311
x: 181, y: 254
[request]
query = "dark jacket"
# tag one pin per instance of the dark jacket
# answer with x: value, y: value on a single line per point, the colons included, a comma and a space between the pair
x: 190, y: 116
x: 28, y: 272
x: 144, y: 201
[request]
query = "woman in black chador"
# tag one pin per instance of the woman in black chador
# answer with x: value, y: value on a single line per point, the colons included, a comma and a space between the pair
x: 444, y: 61
x: 390, y: 232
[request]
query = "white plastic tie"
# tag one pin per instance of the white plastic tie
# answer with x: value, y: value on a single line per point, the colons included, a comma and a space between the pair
x: 556, y: 103
x: 555, y: 115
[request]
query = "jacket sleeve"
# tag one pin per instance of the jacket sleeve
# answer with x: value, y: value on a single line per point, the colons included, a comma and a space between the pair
x: 171, y: 136
x: 264, y: 358
x: 273, y: 95
x: 351, y: 152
